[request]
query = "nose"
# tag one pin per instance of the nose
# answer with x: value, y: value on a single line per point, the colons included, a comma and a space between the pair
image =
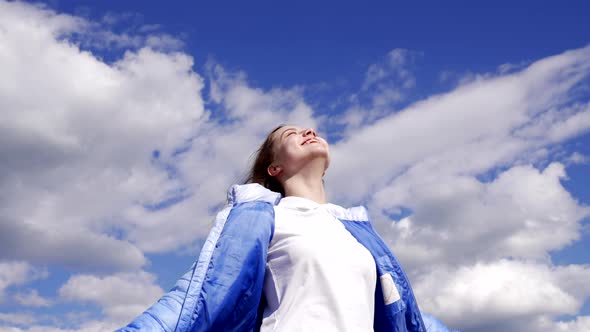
x: 309, y: 131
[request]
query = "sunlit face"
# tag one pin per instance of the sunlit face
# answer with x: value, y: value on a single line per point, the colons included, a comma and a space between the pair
x: 297, y: 147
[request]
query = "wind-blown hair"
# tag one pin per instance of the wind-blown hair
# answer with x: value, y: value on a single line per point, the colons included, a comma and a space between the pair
x: 264, y: 157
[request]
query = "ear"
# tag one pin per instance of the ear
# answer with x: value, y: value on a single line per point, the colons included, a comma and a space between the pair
x: 274, y: 170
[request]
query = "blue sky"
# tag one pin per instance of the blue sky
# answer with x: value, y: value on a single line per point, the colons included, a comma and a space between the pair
x: 307, y: 42
x: 125, y: 122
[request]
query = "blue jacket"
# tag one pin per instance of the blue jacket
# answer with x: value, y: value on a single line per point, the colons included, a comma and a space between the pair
x: 222, y: 291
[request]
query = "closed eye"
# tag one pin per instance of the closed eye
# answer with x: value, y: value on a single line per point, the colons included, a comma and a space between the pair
x: 288, y: 132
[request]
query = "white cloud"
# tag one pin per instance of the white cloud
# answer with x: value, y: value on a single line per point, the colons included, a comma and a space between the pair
x: 122, y: 296
x: 577, y: 158
x: 459, y: 220
x: 31, y: 298
x: 18, y: 273
x: 386, y: 84
x: 71, y: 322
x: 78, y: 135
x: 468, y: 130
x: 580, y: 324
x: 35, y: 328
x: 395, y: 66
x: 91, y: 326
x: 75, y: 247
x: 474, y: 296
x: 164, y: 42
x: 125, y: 30
x: 17, y: 319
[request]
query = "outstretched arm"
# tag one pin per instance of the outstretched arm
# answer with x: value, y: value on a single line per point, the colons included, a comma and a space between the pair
x: 222, y: 289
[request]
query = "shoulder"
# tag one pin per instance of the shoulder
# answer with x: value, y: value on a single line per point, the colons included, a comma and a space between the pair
x: 242, y: 193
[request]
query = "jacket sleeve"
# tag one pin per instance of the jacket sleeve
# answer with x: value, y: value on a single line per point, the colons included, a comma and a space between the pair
x: 222, y: 289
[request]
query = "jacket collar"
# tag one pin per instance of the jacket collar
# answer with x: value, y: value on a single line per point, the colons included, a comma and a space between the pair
x: 240, y: 193
x: 299, y: 203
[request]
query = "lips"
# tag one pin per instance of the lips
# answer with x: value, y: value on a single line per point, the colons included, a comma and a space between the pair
x: 309, y: 141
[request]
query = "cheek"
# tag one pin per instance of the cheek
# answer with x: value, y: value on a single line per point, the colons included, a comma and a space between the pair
x: 286, y: 152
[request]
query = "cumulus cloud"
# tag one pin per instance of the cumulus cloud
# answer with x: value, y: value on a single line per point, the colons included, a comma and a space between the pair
x: 90, y: 326
x: 472, y: 297
x: 16, y: 319
x: 122, y: 296
x: 580, y: 324
x: 105, y: 162
x: 78, y: 135
x: 522, y: 213
x: 468, y: 130
x: 66, y: 246
x: 70, y: 322
x: 18, y: 273
x: 31, y: 298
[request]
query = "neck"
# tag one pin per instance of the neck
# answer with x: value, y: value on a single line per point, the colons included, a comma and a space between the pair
x: 307, y: 185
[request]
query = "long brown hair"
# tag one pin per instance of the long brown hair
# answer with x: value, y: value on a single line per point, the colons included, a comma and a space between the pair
x: 264, y: 157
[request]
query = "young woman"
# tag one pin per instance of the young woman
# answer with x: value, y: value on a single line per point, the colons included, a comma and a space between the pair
x: 280, y: 258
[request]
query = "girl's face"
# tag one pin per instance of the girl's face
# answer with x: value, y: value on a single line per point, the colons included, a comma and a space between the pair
x: 295, y: 147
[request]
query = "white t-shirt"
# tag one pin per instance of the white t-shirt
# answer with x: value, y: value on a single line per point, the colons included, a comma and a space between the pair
x: 318, y: 276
